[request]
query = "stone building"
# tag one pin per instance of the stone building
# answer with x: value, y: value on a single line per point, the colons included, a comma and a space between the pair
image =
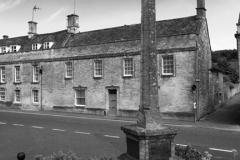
x: 99, y: 71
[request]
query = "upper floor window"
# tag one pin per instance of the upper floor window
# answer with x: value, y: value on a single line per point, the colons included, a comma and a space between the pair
x: 168, y: 65
x: 2, y: 74
x: 128, y: 67
x: 13, y: 48
x: 80, y: 97
x: 3, y: 49
x: 98, y: 68
x: 17, y: 74
x: 2, y: 94
x: 46, y: 45
x: 69, y: 70
x: 35, y: 73
x: 35, y: 46
x: 17, y: 96
x: 35, y: 96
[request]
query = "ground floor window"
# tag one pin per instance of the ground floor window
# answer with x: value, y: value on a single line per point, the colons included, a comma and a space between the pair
x: 17, y: 96
x: 2, y: 94
x: 80, y: 97
x: 35, y: 96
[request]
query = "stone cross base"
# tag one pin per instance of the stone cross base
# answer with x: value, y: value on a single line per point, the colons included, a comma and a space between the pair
x: 142, y: 144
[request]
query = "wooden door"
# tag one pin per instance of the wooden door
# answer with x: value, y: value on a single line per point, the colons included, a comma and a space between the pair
x: 112, y: 102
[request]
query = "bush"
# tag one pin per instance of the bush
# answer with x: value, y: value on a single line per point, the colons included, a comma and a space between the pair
x: 69, y: 156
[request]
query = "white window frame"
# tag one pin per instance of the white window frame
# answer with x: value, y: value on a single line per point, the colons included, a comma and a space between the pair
x: 2, y: 97
x: 3, y: 49
x: 127, y: 68
x: 68, y: 70
x: 13, y: 48
x: 36, y: 46
x: 17, y: 74
x: 98, y: 68
x: 165, y: 65
x: 17, y: 98
x: 78, y: 90
x: 35, y: 98
x: 46, y: 45
x: 2, y: 74
x: 35, y: 73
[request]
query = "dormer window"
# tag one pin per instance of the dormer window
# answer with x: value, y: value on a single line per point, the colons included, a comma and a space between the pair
x: 36, y: 46
x: 13, y: 48
x: 3, y: 50
x: 47, y: 45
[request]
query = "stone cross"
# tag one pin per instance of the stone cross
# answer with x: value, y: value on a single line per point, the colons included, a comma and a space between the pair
x: 149, y: 116
x: 149, y: 139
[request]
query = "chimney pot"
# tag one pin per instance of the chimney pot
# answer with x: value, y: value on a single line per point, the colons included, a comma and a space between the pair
x: 5, y: 37
x: 201, y: 10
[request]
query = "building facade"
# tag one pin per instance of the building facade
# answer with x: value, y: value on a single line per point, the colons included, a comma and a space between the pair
x: 99, y: 71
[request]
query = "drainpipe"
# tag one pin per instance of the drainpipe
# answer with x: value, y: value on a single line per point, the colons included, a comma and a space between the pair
x: 40, y: 71
x: 197, y: 88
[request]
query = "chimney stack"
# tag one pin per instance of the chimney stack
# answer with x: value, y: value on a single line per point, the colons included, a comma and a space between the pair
x: 5, y: 37
x: 73, y: 23
x: 32, y: 29
x: 201, y: 10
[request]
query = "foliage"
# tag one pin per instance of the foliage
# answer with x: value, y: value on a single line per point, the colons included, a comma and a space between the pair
x: 230, y: 55
x: 69, y: 156
x: 225, y: 67
x: 188, y: 153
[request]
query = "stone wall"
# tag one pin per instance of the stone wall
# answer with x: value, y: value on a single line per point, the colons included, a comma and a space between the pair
x: 176, y: 97
x: 203, y: 73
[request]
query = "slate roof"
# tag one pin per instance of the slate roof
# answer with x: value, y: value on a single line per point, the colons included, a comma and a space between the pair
x: 181, y: 26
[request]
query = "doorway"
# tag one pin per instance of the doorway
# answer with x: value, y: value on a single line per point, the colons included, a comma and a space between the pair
x: 112, y: 94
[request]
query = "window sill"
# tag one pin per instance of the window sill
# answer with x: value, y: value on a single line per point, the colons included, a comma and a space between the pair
x: 98, y: 77
x: 3, y: 82
x: 76, y: 106
x: 165, y: 75
x: 35, y: 82
x: 68, y: 78
x: 128, y: 76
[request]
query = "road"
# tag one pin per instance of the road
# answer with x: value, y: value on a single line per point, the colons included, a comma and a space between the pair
x: 88, y: 137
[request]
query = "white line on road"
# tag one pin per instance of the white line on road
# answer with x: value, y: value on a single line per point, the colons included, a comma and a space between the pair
x: 3, y: 123
x: 215, y: 149
x: 82, y: 132
x: 111, y: 136
x: 55, y: 115
x: 178, y: 125
x: 58, y: 130
x: 37, y: 127
x: 182, y: 145
x: 18, y: 125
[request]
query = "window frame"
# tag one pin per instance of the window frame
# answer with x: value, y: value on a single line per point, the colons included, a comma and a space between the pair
x: 173, y: 65
x: 34, y: 46
x: 35, y: 74
x: 15, y: 74
x: 3, y: 95
x: 68, y: 72
x: 15, y: 97
x: 124, y: 67
x: 14, y: 48
x: 33, y: 96
x: 75, y: 97
x: 95, y: 68
x: 46, y: 45
x: 1, y: 75
x: 3, y: 49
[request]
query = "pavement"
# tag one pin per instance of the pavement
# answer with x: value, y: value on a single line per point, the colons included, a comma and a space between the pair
x: 225, y: 118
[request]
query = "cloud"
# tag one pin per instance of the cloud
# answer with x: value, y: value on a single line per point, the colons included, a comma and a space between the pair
x: 54, y: 15
x: 7, y: 4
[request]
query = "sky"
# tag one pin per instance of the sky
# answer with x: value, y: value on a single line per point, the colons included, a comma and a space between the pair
x: 222, y: 16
